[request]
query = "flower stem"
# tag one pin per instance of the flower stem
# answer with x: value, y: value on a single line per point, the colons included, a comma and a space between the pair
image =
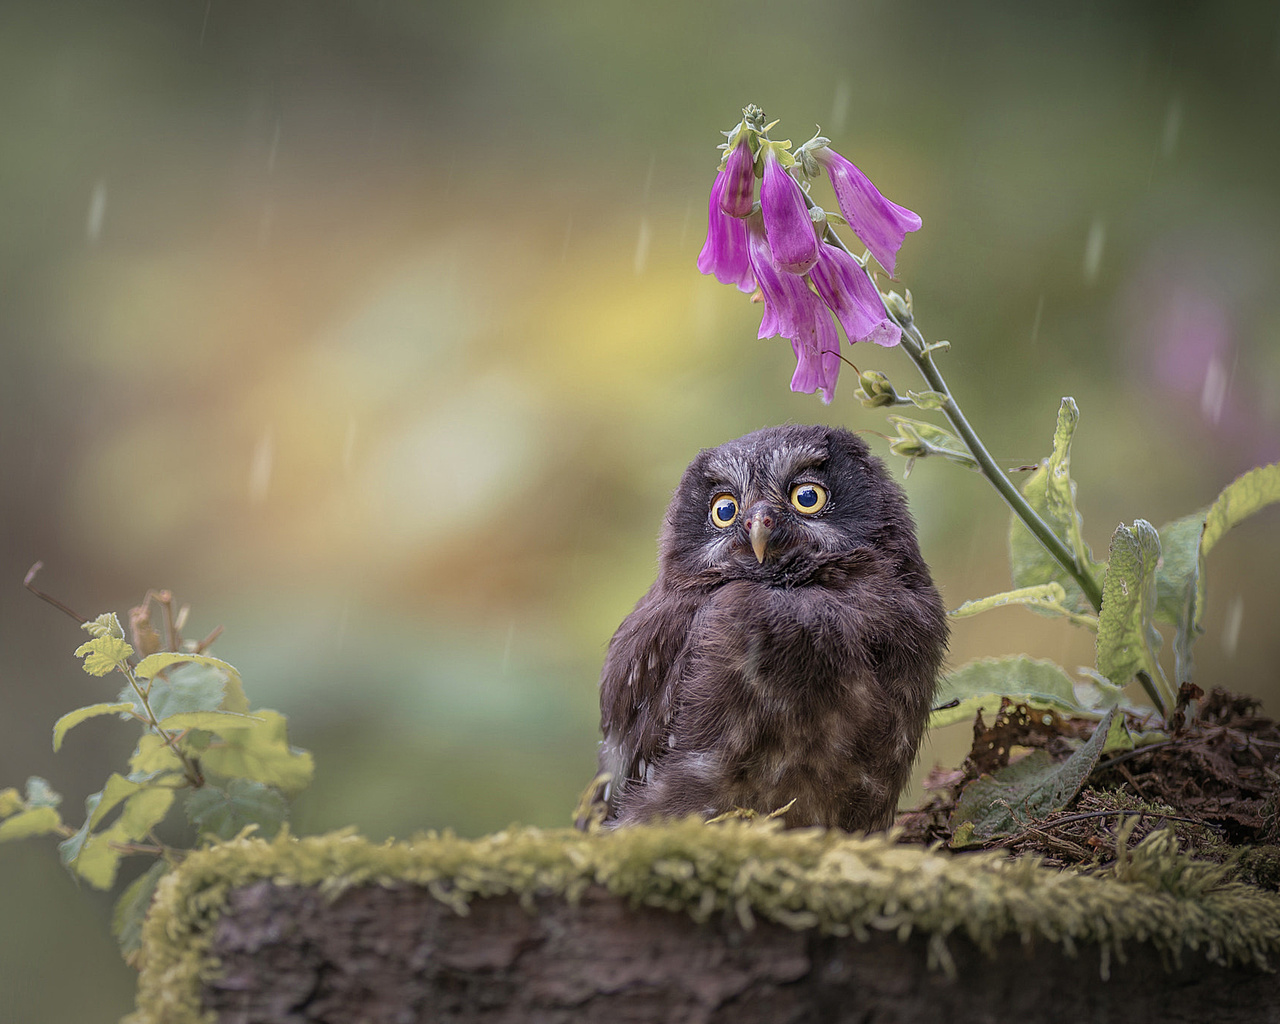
x: 921, y: 353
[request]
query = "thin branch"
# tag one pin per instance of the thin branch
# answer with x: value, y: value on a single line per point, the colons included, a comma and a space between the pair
x: 26, y: 582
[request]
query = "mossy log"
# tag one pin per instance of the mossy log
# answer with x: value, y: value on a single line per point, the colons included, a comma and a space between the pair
x: 690, y: 922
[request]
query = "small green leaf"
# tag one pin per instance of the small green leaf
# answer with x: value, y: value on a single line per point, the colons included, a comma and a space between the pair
x: 1179, y: 565
x: 185, y: 687
x: 10, y: 802
x: 74, y: 718
x: 36, y: 821
x: 96, y: 861
x: 104, y: 654
x: 105, y: 625
x: 1245, y: 495
x: 152, y: 757
x: 1020, y: 793
x: 1127, y: 640
x: 231, y: 697
x: 981, y: 684
x: 919, y: 438
x: 1051, y: 492
x: 142, y: 812
x: 214, y: 721
x: 222, y: 812
x: 927, y: 399
x: 41, y: 794
x: 261, y: 752
x: 131, y: 909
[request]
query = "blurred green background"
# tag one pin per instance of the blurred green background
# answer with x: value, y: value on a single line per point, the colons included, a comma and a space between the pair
x: 373, y: 331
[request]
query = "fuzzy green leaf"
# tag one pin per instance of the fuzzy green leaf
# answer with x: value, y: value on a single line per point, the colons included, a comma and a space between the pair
x: 1245, y: 495
x: 214, y: 721
x: 980, y: 685
x: 74, y: 718
x: 10, y: 802
x: 151, y: 757
x: 103, y: 654
x: 1127, y: 639
x: 96, y: 861
x: 927, y: 399
x: 1006, y: 802
x: 1051, y: 492
x: 131, y: 909
x: 222, y: 812
x: 260, y: 752
x: 105, y: 625
x: 185, y: 687
x: 41, y: 794
x: 188, y: 674
x: 35, y: 821
x: 1179, y: 566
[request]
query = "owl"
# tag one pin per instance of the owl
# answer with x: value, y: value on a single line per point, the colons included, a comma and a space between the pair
x: 788, y: 652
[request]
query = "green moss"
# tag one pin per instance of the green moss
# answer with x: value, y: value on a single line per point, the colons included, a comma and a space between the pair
x: 838, y: 884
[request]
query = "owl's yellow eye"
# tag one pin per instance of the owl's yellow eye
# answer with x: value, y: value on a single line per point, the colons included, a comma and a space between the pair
x: 724, y: 510
x: 808, y: 498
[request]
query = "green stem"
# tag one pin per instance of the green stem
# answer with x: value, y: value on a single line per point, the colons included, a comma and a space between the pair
x: 189, y: 768
x: 918, y: 350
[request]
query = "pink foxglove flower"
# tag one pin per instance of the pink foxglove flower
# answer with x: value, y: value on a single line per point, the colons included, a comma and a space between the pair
x: 850, y: 295
x: 740, y: 179
x: 793, y: 311
x: 881, y: 225
x: 724, y: 253
x: 786, y: 218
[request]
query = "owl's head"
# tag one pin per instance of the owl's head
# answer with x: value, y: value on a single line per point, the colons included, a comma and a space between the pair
x: 778, y: 504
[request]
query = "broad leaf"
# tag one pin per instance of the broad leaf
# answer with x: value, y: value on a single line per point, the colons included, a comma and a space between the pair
x: 10, y: 802
x: 981, y: 684
x: 1179, y: 566
x: 1127, y: 639
x: 223, y: 811
x: 214, y: 721
x: 152, y: 757
x: 1245, y: 495
x: 1027, y: 790
x: 74, y: 718
x: 261, y: 752
x: 131, y: 909
x: 96, y: 861
x: 1051, y: 492
x: 41, y: 794
x: 186, y: 687
x: 35, y: 821
x: 233, y: 687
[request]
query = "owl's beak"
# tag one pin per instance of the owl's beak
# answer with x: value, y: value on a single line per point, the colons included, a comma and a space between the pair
x: 759, y: 531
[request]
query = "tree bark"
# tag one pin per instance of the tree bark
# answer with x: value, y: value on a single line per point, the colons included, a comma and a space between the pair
x: 392, y: 955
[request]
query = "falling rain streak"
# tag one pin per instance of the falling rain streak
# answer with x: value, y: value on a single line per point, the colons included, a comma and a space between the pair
x: 97, y: 210
x: 1231, y: 626
x: 1093, y: 248
x: 260, y: 466
x: 642, y: 246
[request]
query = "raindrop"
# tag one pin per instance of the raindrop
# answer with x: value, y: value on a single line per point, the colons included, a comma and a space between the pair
x: 275, y: 147
x: 1172, y: 126
x: 840, y: 105
x: 1231, y: 627
x: 204, y: 24
x: 642, y: 245
x: 97, y: 210
x: 1093, y: 247
x: 260, y: 466
x: 1035, y: 324
x: 1213, y: 396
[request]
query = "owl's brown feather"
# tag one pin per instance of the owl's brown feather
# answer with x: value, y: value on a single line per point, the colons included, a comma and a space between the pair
x: 806, y: 676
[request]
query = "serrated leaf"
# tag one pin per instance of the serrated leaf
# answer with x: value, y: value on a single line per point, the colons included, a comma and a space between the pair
x: 105, y: 625
x: 41, y: 794
x: 74, y: 718
x: 981, y: 684
x: 103, y: 654
x: 189, y: 687
x: 151, y: 757
x: 131, y: 908
x: 36, y: 821
x: 1006, y: 802
x: 261, y: 752
x: 10, y: 802
x: 1246, y: 494
x: 232, y: 698
x: 1127, y: 640
x: 223, y: 811
x: 1051, y: 492
x: 96, y: 807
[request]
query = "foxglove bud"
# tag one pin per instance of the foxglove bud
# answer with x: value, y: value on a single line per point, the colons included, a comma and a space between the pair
x: 874, y: 390
x: 740, y: 179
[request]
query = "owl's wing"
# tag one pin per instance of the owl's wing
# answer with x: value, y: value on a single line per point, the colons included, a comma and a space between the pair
x: 640, y: 687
